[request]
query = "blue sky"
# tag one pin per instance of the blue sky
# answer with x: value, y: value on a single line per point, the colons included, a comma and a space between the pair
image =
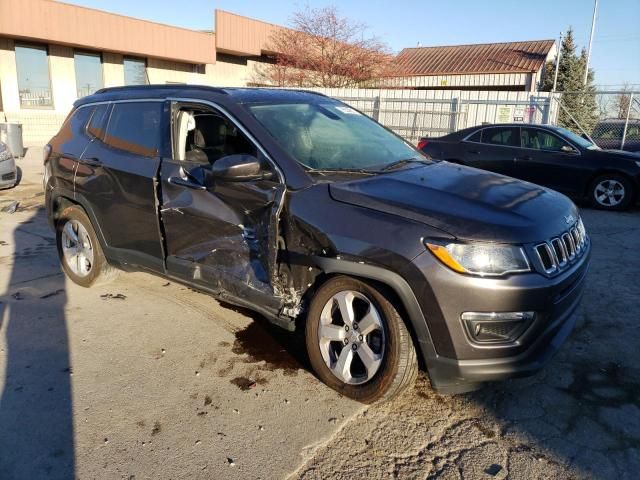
x: 404, y: 23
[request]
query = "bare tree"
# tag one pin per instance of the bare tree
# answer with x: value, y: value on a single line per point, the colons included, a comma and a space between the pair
x: 323, y: 49
x: 622, y: 102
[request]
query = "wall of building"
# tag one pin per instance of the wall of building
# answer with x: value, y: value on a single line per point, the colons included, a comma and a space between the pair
x: 241, y: 35
x: 40, y: 124
x: 73, y: 25
x: 498, y: 81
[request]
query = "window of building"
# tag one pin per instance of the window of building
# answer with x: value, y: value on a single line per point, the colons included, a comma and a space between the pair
x: 34, y: 86
x: 88, y: 73
x: 135, y: 127
x: 135, y: 71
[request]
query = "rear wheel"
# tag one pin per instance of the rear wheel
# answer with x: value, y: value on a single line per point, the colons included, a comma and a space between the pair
x: 611, y: 192
x: 79, y: 251
x: 357, y: 341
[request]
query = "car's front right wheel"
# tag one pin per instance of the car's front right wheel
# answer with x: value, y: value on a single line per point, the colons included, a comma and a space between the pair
x: 357, y: 341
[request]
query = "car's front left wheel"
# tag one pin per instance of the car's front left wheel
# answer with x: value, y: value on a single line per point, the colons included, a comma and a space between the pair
x: 357, y: 341
x: 611, y: 192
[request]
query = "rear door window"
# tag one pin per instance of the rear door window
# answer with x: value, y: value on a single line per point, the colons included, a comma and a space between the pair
x: 504, y: 136
x: 135, y: 127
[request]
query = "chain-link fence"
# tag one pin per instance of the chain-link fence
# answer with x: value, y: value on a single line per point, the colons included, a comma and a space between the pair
x: 433, y: 113
x: 610, y: 119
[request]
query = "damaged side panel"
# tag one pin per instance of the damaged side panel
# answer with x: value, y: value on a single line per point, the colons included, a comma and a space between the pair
x: 310, y: 233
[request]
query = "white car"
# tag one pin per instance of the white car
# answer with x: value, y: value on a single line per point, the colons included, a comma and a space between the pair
x: 8, y: 173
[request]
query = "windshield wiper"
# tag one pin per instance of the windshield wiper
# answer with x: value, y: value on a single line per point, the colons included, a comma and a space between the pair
x: 342, y: 170
x: 399, y: 163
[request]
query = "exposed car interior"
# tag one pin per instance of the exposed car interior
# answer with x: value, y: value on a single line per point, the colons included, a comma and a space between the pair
x: 204, y: 137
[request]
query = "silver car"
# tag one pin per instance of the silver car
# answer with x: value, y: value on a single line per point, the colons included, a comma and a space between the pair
x: 8, y: 173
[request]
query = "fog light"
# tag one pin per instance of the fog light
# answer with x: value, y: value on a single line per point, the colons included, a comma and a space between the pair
x: 496, y: 327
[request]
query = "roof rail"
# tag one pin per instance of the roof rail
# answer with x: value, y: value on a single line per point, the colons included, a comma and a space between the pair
x: 161, y: 86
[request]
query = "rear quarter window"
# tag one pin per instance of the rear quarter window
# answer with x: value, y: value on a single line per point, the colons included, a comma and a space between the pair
x: 135, y: 128
x: 476, y: 137
x: 76, y: 121
x: 98, y: 122
x: 72, y: 139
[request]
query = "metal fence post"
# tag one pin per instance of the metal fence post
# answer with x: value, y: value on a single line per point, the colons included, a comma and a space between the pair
x: 546, y: 111
x: 626, y: 122
x: 376, y: 108
x: 461, y: 113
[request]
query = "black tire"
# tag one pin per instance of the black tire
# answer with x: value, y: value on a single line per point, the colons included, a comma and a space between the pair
x: 595, y: 192
x: 99, y: 270
x: 398, y: 368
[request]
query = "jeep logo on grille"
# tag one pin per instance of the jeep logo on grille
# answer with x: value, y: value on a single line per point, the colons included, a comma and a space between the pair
x: 569, y: 219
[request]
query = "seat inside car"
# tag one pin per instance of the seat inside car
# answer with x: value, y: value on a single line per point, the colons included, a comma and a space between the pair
x: 205, y: 137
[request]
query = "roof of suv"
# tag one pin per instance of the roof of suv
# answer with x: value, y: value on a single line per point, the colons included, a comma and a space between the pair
x: 239, y: 94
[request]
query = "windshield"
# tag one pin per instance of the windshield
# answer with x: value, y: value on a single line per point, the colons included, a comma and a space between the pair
x: 332, y: 136
x: 577, y: 139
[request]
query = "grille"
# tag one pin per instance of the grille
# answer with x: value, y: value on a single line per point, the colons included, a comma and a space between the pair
x: 558, y: 252
x: 9, y: 176
x: 501, y: 331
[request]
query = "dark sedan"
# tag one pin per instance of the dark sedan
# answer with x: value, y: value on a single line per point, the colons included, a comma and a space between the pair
x: 546, y: 155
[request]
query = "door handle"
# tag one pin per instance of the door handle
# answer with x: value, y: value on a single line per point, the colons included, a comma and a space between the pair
x: 475, y: 152
x: 186, y: 183
x: 91, y: 162
x: 526, y: 158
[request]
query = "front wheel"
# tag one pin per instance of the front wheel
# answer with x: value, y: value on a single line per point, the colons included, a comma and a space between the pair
x: 357, y: 342
x: 611, y: 192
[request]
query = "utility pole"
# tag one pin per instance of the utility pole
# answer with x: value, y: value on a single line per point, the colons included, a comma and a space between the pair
x: 626, y: 122
x: 555, y: 76
x: 593, y: 28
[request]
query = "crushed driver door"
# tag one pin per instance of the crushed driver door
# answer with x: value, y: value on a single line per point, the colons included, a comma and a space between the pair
x: 219, y: 234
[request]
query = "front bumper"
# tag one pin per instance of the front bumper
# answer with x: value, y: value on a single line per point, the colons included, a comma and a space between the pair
x: 8, y: 173
x: 459, y: 364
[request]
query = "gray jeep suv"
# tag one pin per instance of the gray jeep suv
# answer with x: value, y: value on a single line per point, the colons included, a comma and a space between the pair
x: 305, y: 210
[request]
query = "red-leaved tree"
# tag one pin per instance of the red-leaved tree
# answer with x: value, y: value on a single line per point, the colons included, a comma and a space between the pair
x: 322, y: 49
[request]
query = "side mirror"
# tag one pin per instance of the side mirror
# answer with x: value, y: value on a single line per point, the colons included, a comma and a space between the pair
x: 239, y: 168
x: 568, y: 149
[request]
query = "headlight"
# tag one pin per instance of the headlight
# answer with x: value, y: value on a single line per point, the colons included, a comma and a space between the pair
x: 480, y: 259
x: 581, y: 230
x: 638, y: 163
x: 5, y: 153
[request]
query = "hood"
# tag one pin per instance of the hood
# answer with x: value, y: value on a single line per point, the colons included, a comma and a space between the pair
x: 465, y: 202
x: 635, y: 156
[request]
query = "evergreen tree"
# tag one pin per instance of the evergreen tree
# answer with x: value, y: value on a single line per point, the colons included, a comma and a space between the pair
x: 577, y: 99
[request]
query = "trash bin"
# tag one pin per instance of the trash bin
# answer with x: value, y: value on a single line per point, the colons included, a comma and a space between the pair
x: 11, y: 134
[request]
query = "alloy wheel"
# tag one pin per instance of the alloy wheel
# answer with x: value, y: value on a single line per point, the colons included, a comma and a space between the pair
x: 609, y: 193
x: 351, y: 337
x: 76, y: 248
